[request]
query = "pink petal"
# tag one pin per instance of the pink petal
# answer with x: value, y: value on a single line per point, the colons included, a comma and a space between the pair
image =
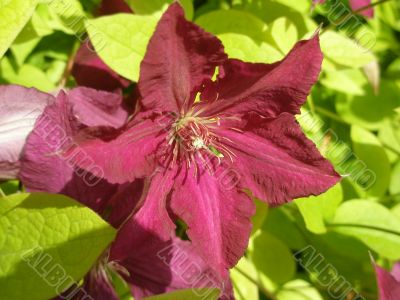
x: 43, y: 169
x: 396, y: 271
x: 218, y: 216
x: 268, y: 90
x: 97, y: 108
x: 152, y: 217
x: 19, y: 109
x: 389, y: 287
x: 277, y: 162
x: 157, y: 266
x: 119, y: 155
x: 358, y: 4
x: 90, y: 71
x: 180, y: 56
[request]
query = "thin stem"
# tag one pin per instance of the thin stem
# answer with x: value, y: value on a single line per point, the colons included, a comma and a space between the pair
x: 310, y: 102
x: 361, y: 9
x: 266, y: 293
x: 69, y: 66
x: 330, y: 115
x: 2, y: 194
x: 365, y: 227
x: 357, y: 12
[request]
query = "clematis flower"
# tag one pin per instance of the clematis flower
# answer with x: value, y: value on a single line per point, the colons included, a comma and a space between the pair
x: 355, y: 5
x: 388, y: 283
x: 155, y: 266
x: 200, y: 154
x: 44, y: 170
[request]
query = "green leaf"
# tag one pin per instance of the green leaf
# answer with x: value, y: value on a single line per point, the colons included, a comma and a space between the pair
x: 298, y: 289
x: 259, y: 217
x: 395, y: 180
x: 396, y: 211
x: 389, y: 135
x: 244, y: 36
x: 302, y: 6
x: 121, y: 41
x: 371, y: 223
x: 280, y: 223
x: 9, y: 187
x: 346, y: 253
x: 389, y: 13
x: 29, y: 37
x: 150, y: 7
x: 68, y: 16
x: 370, y: 110
x: 121, y: 287
x: 371, y: 156
x: 270, y: 10
x: 30, y: 76
x: 22, y: 50
x: 284, y: 33
x: 189, y: 294
x: 272, y: 257
x: 316, y: 210
x: 344, y: 51
x: 14, y: 14
x: 243, y: 287
x: 47, y: 242
x: 344, y: 81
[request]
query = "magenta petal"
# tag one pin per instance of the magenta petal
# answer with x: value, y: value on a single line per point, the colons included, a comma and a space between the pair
x: 179, y: 57
x: 389, y: 287
x: 44, y: 170
x: 396, y: 271
x: 97, y: 108
x: 358, y: 4
x: 268, y: 90
x: 98, y: 285
x: 277, y: 162
x: 218, y: 216
x: 152, y: 217
x: 120, y: 155
x: 90, y: 71
x: 19, y: 109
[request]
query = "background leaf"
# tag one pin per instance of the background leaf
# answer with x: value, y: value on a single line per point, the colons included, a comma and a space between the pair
x: 371, y: 223
x: 44, y: 239
x: 121, y: 41
x: 14, y: 14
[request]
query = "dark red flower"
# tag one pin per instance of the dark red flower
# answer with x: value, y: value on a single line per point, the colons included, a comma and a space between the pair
x: 154, y: 266
x: 199, y: 154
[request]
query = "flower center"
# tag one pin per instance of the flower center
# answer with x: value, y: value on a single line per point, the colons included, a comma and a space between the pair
x: 193, y: 137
